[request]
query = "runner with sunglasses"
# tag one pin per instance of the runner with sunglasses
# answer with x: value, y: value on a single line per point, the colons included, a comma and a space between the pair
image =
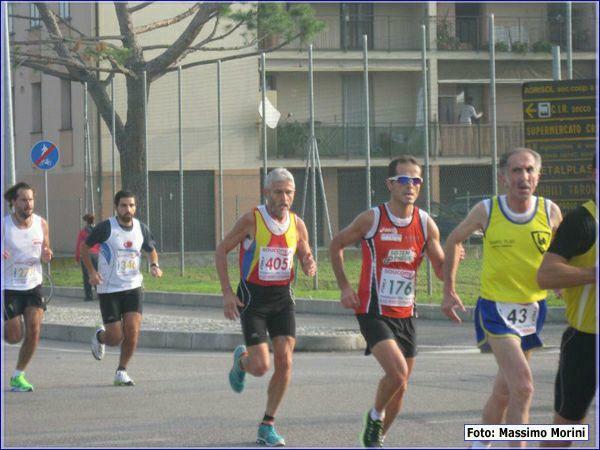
x: 394, y: 236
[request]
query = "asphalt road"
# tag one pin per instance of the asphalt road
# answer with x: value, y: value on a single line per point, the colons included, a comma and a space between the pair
x: 182, y: 399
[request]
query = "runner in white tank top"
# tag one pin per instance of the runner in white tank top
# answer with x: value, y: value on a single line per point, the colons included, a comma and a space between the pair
x: 119, y: 279
x: 25, y: 244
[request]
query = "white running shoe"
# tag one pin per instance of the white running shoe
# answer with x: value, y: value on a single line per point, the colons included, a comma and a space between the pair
x: 122, y: 379
x: 97, y: 346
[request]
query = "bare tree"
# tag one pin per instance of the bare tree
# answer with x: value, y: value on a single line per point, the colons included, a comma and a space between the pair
x: 71, y: 55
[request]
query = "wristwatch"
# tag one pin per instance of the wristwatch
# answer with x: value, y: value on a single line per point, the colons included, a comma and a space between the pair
x: 155, y: 265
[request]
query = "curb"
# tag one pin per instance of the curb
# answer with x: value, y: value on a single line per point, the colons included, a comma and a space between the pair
x: 203, y: 340
x: 303, y: 306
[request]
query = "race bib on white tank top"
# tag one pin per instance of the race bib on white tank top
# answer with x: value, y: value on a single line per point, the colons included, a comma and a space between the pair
x: 119, y: 259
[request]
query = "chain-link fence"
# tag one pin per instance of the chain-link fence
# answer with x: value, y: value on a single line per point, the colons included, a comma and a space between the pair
x: 206, y: 153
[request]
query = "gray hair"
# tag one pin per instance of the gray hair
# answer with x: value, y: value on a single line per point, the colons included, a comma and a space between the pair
x: 279, y: 174
x: 503, y: 162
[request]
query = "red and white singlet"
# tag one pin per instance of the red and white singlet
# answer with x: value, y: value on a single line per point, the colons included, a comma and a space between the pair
x: 392, y: 251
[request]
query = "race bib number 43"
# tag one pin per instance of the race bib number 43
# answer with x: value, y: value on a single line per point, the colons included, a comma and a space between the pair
x: 397, y: 287
x: 275, y: 264
x: 522, y: 317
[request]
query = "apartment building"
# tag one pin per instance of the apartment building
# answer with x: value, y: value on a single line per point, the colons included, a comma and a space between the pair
x: 458, y: 59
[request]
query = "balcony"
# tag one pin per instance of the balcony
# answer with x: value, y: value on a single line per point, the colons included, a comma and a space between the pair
x: 513, y: 34
x: 476, y: 140
x: 289, y: 140
x: 385, y: 33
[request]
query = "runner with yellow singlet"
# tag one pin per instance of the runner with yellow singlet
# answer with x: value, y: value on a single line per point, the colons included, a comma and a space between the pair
x: 511, y: 309
x: 268, y: 237
x: 570, y: 263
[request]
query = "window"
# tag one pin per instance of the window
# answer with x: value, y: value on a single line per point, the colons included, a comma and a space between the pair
x: 271, y: 84
x: 10, y: 11
x: 34, y: 14
x: 36, y: 107
x: 64, y: 10
x: 65, y: 104
x: 356, y: 20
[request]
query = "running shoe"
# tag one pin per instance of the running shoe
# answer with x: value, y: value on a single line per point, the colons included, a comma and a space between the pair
x: 237, y: 376
x: 372, y: 432
x: 268, y: 436
x: 122, y: 379
x: 20, y: 384
x: 97, y: 346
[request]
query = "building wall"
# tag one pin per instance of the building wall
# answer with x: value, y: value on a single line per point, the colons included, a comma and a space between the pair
x: 65, y: 180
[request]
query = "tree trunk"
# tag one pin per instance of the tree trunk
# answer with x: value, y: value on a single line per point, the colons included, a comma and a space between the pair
x: 132, y: 146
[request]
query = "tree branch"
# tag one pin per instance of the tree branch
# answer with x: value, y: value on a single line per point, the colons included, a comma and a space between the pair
x: 138, y: 7
x: 229, y: 58
x: 167, y: 22
x: 129, y: 38
x: 95, y: 88
x: 48, y: 71
x: 67, y: 63
x: 172, y: 54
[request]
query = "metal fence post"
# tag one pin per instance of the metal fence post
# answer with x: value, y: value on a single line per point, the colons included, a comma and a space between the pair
x: 112, y: 138
x: 426, y: 136
x: 146, y: 162
x: 10, y: 138
x: 220, y: 136
x: 367, y: 120
x: 556, y: 75
x: 311, y: 108
x: 569, y: 41
x: 181, y: 190
x: 263, y: 83
x: 492, y: 50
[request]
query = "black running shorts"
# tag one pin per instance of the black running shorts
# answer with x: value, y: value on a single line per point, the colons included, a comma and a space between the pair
x: 575, y: 384
x: 268, y: 309
x: 376, y: 328
x: 115, y: 304
x: 15, y: 302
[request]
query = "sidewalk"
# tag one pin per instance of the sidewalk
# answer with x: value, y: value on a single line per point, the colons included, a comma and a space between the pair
x: 196, y: 322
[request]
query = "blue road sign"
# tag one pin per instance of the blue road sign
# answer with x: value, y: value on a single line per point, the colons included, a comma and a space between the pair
x: 44, y: 155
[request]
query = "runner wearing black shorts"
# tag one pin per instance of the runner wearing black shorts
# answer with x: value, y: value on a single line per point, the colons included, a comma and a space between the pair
x: 119, y: 280
x: 25, y: 244
x: 394, y: 236
x: 271, y: 314
x: 269, y: 236
x: 570, y: 264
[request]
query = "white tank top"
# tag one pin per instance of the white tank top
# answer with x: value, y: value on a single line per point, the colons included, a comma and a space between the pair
x: 23, y: 268
x: 119, y: 260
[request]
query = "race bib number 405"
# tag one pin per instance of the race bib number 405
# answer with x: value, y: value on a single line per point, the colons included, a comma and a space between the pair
x: 522, y: 317
x: 397, y: 287
x: 275, y: 263
x: 128, y: 262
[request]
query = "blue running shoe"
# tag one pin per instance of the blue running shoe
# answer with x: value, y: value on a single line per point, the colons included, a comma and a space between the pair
x: 268, y: 436
x: 237, y: 376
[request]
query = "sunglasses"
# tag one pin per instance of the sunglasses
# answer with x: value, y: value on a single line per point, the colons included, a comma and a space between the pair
x: 405, y: 179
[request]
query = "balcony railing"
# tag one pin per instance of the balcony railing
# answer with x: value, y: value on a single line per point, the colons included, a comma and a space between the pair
x: 289, y: 140
x: 516, y: 34
x: 384, y: 32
